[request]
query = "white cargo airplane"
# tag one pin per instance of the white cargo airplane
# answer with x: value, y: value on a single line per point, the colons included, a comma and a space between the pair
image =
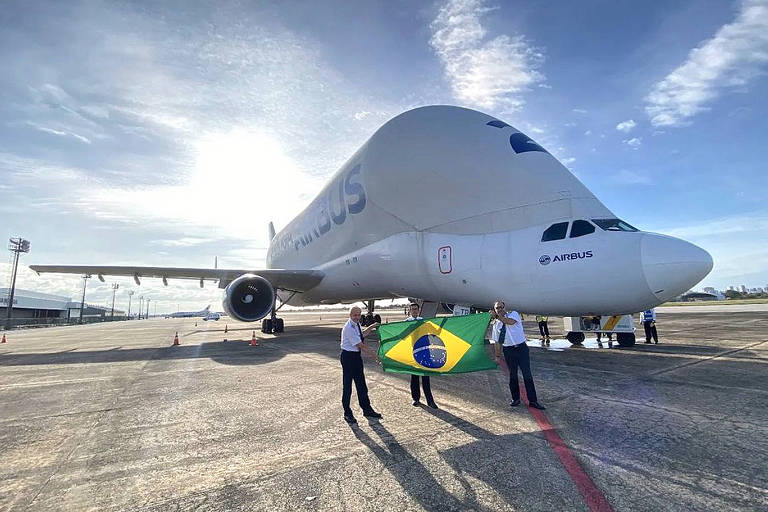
x: 190, y: 314
x: 446, y: 204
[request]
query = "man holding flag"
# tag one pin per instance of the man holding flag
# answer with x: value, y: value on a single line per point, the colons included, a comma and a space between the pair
x: 508, y: 333
x: 352, y: 341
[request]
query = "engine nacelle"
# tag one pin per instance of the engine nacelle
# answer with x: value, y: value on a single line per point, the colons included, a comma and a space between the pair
x: 249, y: 298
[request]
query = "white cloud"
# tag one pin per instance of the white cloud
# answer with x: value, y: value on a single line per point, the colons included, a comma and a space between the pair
x: 568, y: 161
x: 626, y: 126
x: 362, y: 115
x: 627, y: 177
x: 580, y: 111
x: 634, y: 142
x: 730, y: 59
x: 184, y: 242
x: 60, y: 133
x: 484, y: 73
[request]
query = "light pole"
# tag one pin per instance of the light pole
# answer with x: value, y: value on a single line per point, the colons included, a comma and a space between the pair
x: 141, y: 301
x: 147, y: 315
x: 115, y: 286
x: 82, y: 302
x: 16, y: 246
x: 130, y: 294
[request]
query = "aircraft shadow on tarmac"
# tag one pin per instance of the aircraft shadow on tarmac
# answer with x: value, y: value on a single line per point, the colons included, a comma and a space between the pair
x: 235, y: 351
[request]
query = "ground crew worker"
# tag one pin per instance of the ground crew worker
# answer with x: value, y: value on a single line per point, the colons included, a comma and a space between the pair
x: 543, y: 328
x: 649, y: 324
x: 352, y: 342
x: 414, y: 310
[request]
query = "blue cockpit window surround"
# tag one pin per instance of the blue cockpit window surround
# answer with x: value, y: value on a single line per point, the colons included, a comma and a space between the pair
x: 614, y: 225
x: 522, y: 143
x: 497, y: 124
x: 580, y: 228
x: 556, y: 231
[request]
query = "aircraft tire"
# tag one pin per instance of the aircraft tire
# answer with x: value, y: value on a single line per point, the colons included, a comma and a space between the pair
x: 266, y: 326
x: 377, y: 319
x: 625, y: 339
x: 279, y: 325
x: 576, y: 338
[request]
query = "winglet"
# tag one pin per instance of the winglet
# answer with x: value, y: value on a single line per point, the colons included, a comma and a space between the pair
x: 271, y: 231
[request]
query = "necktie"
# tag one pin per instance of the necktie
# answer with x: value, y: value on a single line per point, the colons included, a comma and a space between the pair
x: 360, y: 331
x: 503, y: 333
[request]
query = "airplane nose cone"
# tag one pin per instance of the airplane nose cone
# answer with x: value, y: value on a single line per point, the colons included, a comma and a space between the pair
x: 672, y: 266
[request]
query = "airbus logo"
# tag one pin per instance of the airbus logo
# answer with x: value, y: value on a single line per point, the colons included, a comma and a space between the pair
x: 570, y: 256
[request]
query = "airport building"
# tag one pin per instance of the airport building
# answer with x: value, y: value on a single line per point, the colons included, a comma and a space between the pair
x: 35, y: 308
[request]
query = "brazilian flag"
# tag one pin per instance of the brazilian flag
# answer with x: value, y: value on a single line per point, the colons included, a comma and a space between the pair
x: 432, y: 346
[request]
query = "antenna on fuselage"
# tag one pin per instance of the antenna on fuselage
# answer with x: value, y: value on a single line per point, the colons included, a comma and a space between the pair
x: 271, y: 231
x: 215, y: 262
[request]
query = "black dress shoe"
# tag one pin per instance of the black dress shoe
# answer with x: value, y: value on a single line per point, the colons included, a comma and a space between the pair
x: 371, y: 414
x: 416, y: 403
x: 537, y: 405
x: 514, y: 403
x: 350, y: 419
x: 432, y: 405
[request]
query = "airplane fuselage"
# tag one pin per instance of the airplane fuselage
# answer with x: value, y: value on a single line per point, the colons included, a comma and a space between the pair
x: 449, y: 204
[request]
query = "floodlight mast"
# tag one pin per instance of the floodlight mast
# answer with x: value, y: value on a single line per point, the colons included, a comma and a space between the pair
x: 16, y: 246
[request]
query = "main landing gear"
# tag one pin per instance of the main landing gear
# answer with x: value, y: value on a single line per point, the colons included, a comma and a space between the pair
x: 369, y: 318
x: 273, y: 324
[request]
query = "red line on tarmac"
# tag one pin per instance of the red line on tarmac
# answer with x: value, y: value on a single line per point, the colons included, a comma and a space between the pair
x: 592, y: 495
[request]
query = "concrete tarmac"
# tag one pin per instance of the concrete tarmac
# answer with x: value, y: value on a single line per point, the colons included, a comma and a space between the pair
x: 112, y: 417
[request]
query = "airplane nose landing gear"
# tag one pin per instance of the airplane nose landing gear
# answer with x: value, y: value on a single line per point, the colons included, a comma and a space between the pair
x: 369, y: 318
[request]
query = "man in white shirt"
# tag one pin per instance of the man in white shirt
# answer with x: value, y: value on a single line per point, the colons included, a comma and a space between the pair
x: 414, y: 310
x: 508, y: 335
x: 352, y: 342
x: 649, y: 325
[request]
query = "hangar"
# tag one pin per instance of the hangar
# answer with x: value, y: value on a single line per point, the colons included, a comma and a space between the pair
x: 36, y: 308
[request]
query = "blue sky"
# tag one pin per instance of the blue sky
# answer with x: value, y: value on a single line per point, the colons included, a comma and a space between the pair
x: 169, y: 133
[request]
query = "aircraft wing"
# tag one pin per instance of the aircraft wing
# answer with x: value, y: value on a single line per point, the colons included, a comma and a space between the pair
x: 292, y: 280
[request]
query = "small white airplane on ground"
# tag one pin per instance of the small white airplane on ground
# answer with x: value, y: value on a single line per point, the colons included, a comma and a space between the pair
x: 447, y: 204
x: 191, y: 314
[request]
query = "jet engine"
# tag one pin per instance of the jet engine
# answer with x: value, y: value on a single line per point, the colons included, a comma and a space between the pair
x: 249, y: 298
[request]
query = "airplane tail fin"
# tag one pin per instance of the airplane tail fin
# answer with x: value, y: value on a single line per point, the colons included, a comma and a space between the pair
x: 271, y: 231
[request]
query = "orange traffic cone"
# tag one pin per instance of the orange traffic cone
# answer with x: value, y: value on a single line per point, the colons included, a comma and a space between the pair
x: 254, y: 341
x: 176, y: 339
x: 225, y: 328
x: 3, y: 339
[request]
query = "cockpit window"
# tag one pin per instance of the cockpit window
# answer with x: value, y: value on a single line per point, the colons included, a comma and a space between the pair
x: 521, y: 143
x: 555, y: 232
x: 497, y: 124
x: 614, y: 225
x: 581, y: 228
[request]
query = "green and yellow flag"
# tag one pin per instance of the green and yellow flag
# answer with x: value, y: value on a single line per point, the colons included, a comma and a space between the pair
x: 432, y: 346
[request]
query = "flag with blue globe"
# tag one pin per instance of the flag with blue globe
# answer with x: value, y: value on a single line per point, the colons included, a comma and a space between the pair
x: 436, y: 346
